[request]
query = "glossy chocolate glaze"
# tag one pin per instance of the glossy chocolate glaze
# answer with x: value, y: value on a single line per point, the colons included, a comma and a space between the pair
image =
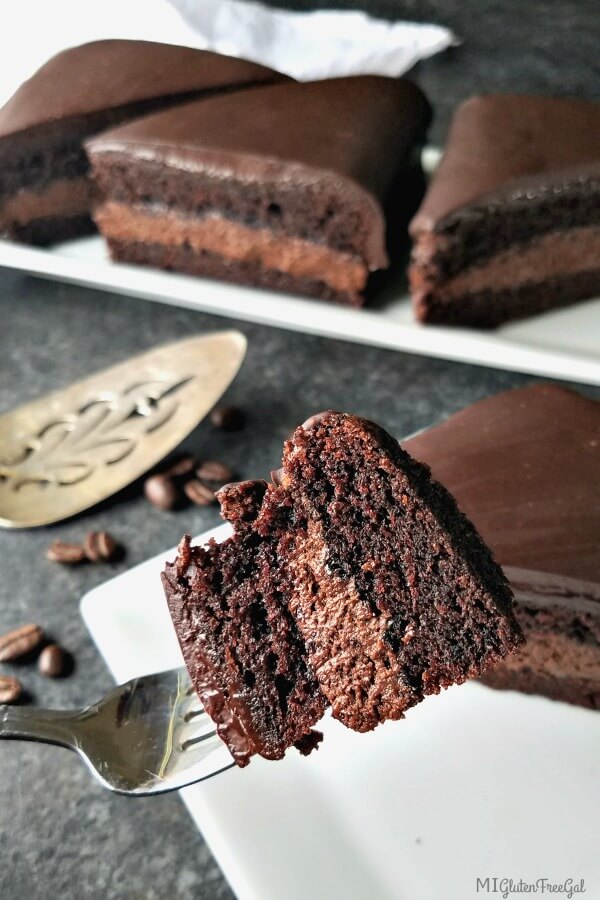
x: 507, y: 147
x: 347, y: 136
x: 524, y: 466
x: 104, y: 75
x: 232, y: 719
x: 541, y: 589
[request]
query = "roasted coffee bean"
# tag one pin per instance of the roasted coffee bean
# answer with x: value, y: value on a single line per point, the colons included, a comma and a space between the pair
x: 63, y: 552
x: 228, y: 418
x: 99, y: 546
x: 199, y: 493
x: 161, y: 491
x: 182, y: 467
x: 20, y: 642
x: 52, y: 661
x: 10, y: 689
x: 212, y: 470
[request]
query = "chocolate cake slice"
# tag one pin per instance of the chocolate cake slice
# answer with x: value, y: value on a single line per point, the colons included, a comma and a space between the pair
x: 510, y: 225
x: 284, y: 187
x: 352, y: 582
x: 45, y: 194
x: 525, y: 467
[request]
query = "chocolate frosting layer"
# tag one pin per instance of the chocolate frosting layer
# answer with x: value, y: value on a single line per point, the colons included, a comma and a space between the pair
x: 504, y: 147
x: 524, y: 466
x: 108, y: 74
x: 349, y: 136
x: 230, y: 715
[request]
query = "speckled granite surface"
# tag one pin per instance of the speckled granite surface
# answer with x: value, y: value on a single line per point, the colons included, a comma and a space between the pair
x: 60, y: 835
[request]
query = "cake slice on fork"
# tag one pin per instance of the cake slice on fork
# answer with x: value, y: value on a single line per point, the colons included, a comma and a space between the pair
x: 352, y: 581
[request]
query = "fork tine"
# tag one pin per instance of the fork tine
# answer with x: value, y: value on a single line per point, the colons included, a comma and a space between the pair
x: 193, y: 714
x: 193, y: 742
x: 197, y: 729
x: 147, y: 736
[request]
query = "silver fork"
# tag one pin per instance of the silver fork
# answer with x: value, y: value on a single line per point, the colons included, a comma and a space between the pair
x: 147, y: 736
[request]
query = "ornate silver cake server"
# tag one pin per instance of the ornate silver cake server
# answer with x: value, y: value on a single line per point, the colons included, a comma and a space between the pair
x: 68, y: 450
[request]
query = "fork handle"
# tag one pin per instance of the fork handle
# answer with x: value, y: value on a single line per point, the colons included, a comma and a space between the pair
x: 46, y: 725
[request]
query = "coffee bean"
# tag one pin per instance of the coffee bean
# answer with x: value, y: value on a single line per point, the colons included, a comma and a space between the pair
x: 99, y: 545
x: 212, y: 470
x: 228, y: 418
x: 199, y: 493
x: 52, y: 661
x: 181, y: 467
x: 10, y: 689
x: 160, y: 490
x: 20, y: 642
x: 63, y: 552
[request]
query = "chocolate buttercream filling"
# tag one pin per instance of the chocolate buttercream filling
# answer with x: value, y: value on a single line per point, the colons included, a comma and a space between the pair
x: 556, y: 655
x: 64, y: 197
x: 555, y: 254
x: 554, y: 651
x: 356, y: 668
x: 214, y: 233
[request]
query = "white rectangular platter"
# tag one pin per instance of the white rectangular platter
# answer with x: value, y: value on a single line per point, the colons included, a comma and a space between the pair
x: 472, y: 784
x: 563, y: 344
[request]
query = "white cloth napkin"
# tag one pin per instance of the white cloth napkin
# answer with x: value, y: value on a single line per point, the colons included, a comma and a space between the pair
x: 307, y: 46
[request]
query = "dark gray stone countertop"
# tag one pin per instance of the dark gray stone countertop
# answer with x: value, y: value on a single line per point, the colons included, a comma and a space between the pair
x: 61, y: 836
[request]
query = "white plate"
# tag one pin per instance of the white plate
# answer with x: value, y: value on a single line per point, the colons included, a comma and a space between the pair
x: 564, y: 344
x: 473, y: 784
